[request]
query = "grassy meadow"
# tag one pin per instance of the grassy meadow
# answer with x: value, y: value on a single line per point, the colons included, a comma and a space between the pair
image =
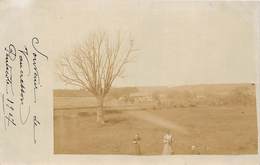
x: 216, y: 119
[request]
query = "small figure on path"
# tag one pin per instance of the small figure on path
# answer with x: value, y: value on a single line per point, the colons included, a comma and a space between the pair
x: 167, y: 140
x: 195, y: 150
x: 136, y: 142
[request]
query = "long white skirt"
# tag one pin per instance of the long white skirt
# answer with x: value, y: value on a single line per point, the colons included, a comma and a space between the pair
x: 167, y: 149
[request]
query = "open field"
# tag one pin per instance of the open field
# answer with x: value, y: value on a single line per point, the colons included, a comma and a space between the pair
x: 213, y: 129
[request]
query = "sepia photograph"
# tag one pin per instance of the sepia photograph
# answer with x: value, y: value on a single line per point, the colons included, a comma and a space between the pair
x: 155, y: 78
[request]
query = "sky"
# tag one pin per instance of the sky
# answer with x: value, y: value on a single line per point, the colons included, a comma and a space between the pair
x: 179, y: 43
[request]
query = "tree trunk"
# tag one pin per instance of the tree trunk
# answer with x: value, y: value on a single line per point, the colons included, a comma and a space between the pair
x: 100, y: 110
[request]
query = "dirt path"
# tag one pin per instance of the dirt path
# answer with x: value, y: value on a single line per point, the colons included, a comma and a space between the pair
x: 156, y: 120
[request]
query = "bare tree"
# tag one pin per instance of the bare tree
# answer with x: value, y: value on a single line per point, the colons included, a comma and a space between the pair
x: 96, y: 64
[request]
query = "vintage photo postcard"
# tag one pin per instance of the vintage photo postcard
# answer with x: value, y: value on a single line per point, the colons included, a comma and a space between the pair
x: 140, y: 82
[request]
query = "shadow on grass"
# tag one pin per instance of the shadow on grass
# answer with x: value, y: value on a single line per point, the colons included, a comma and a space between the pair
x: 93, y: 113
x: 86, y: 114
x: 113, y: 121
x: 112, y: 112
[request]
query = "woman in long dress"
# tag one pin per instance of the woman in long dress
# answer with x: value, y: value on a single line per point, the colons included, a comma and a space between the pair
x: 167, y: 140
x: 136, y: 142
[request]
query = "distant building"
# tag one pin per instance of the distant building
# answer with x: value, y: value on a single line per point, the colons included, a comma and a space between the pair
x: 162, y: 96
x: 200, y: 96
x: 141, y: 97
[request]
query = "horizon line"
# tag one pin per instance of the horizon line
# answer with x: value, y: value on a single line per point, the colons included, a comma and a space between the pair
x: 169, y: 86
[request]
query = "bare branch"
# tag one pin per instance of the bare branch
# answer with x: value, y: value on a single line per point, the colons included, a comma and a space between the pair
x: 97, y: 63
